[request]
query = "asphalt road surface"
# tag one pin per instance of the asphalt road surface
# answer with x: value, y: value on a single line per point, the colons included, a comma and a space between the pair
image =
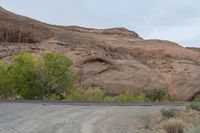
x: 31, y: 117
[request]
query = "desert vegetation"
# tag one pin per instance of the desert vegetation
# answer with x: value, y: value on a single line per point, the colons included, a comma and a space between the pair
x: 169, y: 113
x: 174, y: 126
x: 89, y: 95
x: 183, y: 119
x: 51, y: 77
x: 29, y: 77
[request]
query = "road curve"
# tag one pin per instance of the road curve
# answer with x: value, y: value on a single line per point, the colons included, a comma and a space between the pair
x: 26, y: 117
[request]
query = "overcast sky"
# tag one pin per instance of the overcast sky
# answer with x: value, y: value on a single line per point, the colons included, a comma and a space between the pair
x: 175, y: 20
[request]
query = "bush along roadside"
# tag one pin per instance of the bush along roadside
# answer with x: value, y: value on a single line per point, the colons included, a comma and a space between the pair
x: 51, y: 77
x: 89, y: 95
x: 29, y: 77
x: 194, y: 106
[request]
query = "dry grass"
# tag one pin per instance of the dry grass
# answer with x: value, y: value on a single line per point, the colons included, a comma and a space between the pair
x: 174, y: 125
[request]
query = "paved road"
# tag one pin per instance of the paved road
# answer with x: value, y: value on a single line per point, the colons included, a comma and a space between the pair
x: 38, y: 117
x: 95, y: 104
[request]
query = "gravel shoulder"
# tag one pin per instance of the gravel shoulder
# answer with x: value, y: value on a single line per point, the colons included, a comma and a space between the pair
x: 48, y: 118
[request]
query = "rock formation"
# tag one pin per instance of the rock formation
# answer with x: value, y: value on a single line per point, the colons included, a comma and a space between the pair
x: 115, y: 60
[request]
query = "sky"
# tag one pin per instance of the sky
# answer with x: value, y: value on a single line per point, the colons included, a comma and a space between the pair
x: 174, y: 20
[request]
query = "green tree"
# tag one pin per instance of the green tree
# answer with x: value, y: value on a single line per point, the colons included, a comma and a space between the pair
x: 22, y: 73
x: 3, y: 88
x: 30, y: 77
x: 57, y: 76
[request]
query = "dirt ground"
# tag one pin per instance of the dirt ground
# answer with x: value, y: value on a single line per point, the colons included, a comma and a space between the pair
x: 48, y: 118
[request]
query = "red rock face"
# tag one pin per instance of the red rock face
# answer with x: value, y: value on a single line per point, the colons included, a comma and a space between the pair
x: 15, y: 28
x: 115, y: 60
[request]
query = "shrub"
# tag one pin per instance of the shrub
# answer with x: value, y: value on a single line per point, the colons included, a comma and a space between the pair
x: 109, y: 99
x: 168, y: 113
x: 126, y: 97
x: 33, y: 78
x: 167, y: 99
x: 197, y: 99
x: 77, y: 95
x: 99, y: 96
x: 131, y: 97
x: 174, y: 126
x: 22, y: 72
x: 3, y: 77
x: 86, y: 95
x: 56, y: 76
x: 195, y: 105
x: 158, y: 95
x: 192, y: 129
x: 55, y: 97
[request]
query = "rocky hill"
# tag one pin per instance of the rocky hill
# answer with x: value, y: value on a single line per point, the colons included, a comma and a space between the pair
x: 16, y: 28
x: 115, y: 60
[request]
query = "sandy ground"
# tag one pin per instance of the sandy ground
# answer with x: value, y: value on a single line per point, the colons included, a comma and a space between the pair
x: 48, y: 118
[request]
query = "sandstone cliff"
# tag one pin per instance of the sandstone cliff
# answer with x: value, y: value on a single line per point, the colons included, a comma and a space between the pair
x: 114, y: 60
